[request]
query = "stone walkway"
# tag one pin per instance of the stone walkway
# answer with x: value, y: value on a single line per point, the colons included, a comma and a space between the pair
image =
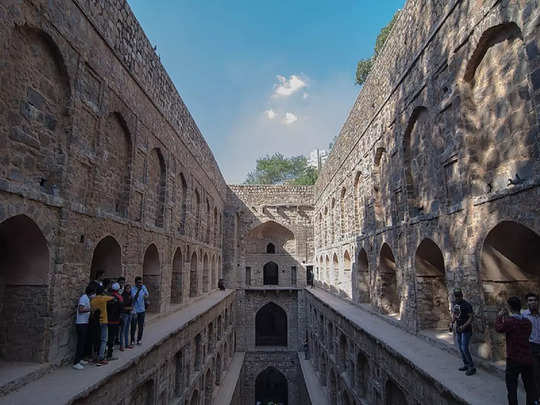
x: 225, y: 392
x: 480, y: 389
x: 65, y: 384
x: 317, y: 394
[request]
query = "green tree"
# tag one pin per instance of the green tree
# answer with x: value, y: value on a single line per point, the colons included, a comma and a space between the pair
x: 277, y: 169
x: 364, y: 66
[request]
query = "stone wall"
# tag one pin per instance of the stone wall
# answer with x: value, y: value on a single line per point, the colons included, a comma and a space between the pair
x: 95, y: 142
x: 438, y: 158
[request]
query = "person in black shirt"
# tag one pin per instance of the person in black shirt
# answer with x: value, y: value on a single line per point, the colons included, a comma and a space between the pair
x: 462, y: 318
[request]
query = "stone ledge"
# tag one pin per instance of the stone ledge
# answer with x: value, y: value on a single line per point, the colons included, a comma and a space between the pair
x: 225, y: 393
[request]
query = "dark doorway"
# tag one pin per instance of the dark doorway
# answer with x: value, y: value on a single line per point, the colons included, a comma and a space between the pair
x: 271, y: 326
x: 107, y: 257
x: 309, y: 275
x: 271, y: 387
x: 270, y: 274
x: 270, y: 248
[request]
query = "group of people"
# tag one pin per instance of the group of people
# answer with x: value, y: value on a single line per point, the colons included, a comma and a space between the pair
x: 110, y: 313
x: 522, y: 330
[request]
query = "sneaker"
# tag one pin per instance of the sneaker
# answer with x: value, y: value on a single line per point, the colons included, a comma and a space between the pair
x: 470, y: 371
x: 102, y: 363
x: 78, y: 366
x: 83, y: 362
x: 464, y: 368
x: 139, y: 342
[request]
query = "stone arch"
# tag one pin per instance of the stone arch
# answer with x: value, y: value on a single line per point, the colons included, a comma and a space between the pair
x: 193, y: 276
x: 342, y: 352
x: 270, y: 274
x: 357, y: 199
x: 208, y: 221
x: 335, y: 270
x: 323, y: 369
x: 327, y: 269
x: 388, y: 283
x: 496, y: 111
x: 347, y: 261
x: 342, y: 213
x: 155, y: 193
x: 270, y: 248
x: 431, y: 292
x: 378, y: 204
x: 346, y: 398
x: 24, y: 273
x: 34, y: 112
x: 197, y: 208
x: 271, y: 326
x: 116, y: 167
x: 213, y: 270
x: 394, y: 394
x: 271, y: 386
x: 362, y: 374
x: 325, y: 225
x: 152, y: 277
x: 508, y: 267
x: 183, y: 203
x: 270, y: 233
x: 333, y: 220
x: 206, y: 273
x: 215, y: 243
x: 362, y: 276
x: 208, y: 387
x: 177, y: 284
x: 332, y: 387
x: 194, y: 398
x: 218, y: 369
x: 107, y: 257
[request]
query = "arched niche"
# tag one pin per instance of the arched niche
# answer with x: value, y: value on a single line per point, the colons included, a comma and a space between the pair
x: 214, y: 271
x: 193, y: 276
x: 270, y: 274
x: 206, y: 273
x: 332, y: 387
x: 393, y: 394
x: 107, y: 257
x: 362, y: 374
x: 152, y: 277
x: 379, y: 164
x: 208, y: 222
x: 362, y: 276
x: 390, y: 299
x: 335, y: 270
x: 197, y: 208
x: 177, y: 288
x: 183, y: 198
x: 270, y: 236
x: 271, y: 326
x: 218, y: 369
x: 34, y: 114
x: 508, y: 267
x: 24, y: 274
x: 155, y: 193
x: 208, y: 387
x: 194, y: 398
x: 431, y: 292
x: 271, y: 386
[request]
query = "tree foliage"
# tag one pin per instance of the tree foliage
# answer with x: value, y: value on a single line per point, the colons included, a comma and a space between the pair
x: 364, y: 66
x: 278, y: 169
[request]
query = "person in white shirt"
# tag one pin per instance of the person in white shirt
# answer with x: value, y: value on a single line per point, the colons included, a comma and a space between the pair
x: 534, y: 339
x: 83, y: 315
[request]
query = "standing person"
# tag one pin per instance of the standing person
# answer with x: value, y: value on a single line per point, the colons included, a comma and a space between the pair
x: 114, y: 309
x: 463, y: 317
x: 518, y: 351
x: 534, y: 339
x: 122, y: 282
x: 81, y: 323
x: 99, y: 303
x: 125, y: 317
x: 139, y: 294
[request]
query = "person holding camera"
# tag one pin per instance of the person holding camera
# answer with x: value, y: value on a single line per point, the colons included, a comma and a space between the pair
x: 519, y: 358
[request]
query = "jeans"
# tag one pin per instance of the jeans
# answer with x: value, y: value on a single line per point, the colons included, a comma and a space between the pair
x: 113, y: 335
x: 463, y: 340
x: 104, y: 332
x: 124, y: 331
x: 82, y: 335
x: 513, y: 370
x: 137, y: 321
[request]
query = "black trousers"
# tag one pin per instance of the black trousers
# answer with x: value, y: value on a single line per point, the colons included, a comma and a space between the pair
x: 536, y: 364
x: 113, y: 334
x: 513, y: 370
x: 82, y: 337
x: 138, y: 321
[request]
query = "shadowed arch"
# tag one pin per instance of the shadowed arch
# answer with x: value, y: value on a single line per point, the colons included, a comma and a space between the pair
x: 157, y: 179
x: 177, y: 285
x: 390, y: 296
x: 271, y: 386
x: 107, y: 257
x: 271, y: 326
x: 193, y: 276
x: 152, y: 277
x: 270, y: 274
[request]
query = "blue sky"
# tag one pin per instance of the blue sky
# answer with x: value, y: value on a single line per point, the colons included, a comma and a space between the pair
x: 264, y: 76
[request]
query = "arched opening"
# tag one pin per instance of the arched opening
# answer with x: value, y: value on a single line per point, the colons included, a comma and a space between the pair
x: 208, y: 222
x: 332, y: 387
x: 194, y: 398
x: 107, y: 257
x: 270, y: 237
x: 152, y: 277
x: 508, y: 266
x: 197, y: 208
x: 335, y: 271
x: 390, y: 296
x: 323, y: 370
x: 215, y: 241
x: 362, y: 276
x: 218, y: 369
x: 206, y: 273
x: 358, y: 217
x: 270, y: 274
x: 394, y: 395
x: 213, y: 271
x: 346, y: 398
x: 155, y: 195
x: 271, y: 326
x: 24, y: 279
x: 330, y: 345
x: 193, y: 277
x: 183, y: 204
x: 176, y: 280
x: 271, y: 387
x: 208, y: 387
x: 362, y: 374
x: 379, y: 163
x: 342, y: 214
x: 342, y: 352
x: 270, y: 248
x: 333, y: 221
x: 431, y: 292
x: 327, y: 270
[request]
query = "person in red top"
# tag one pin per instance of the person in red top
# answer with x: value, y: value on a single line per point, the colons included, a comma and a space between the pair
x: 518, y: 351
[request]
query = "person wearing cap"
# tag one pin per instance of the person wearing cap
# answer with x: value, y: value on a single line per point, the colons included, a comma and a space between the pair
x: 114, y: 309
x: 98, y: 305
x: 463, y: 317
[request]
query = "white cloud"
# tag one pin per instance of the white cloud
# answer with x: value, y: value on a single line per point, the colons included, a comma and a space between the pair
x: 285, y: 88
x: 270, y: 114
x: 289, y: 118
